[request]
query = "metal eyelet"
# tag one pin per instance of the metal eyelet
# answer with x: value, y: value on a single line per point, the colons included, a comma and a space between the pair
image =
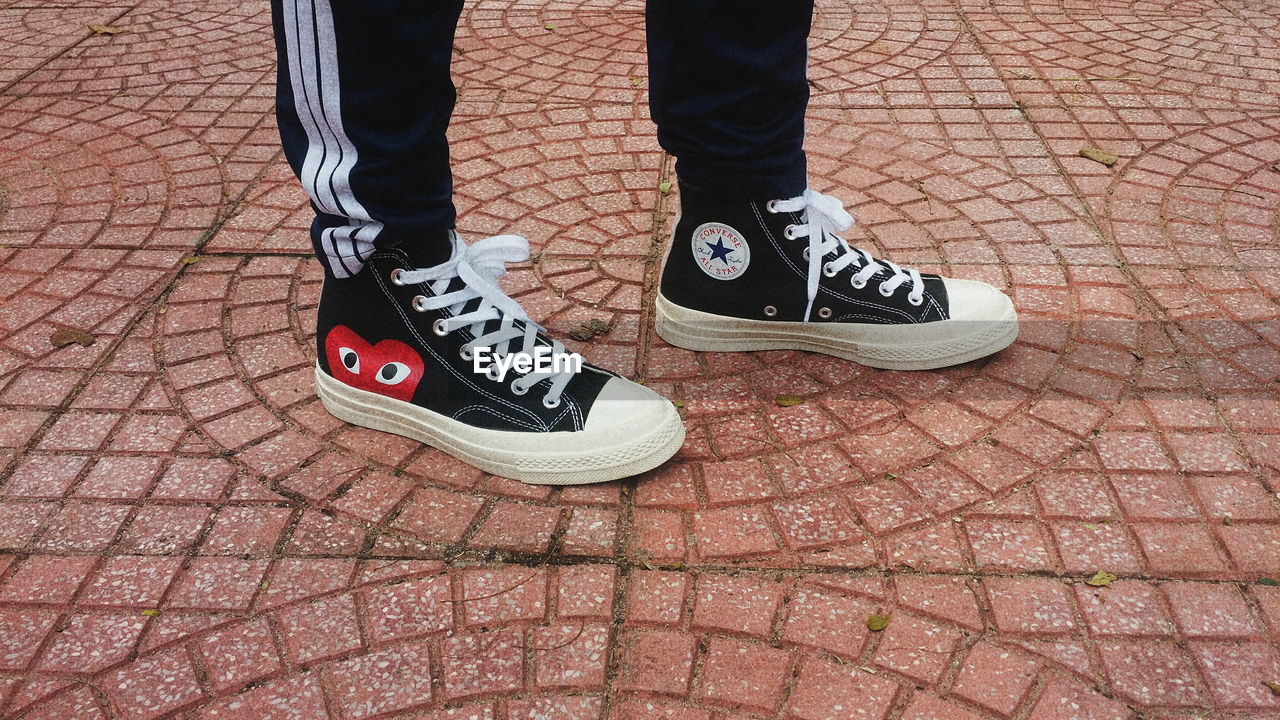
x: 517, y: 388
x: 419, y: 303
x: 438, y: 328
x: 493, y: 373
x: 886, y: 293
x: 395, y: 277
x: 824, y: 313
x: 788, y: 232
x: 917, y: 302
x: 550, y: 404
x: 857, y: 284
x: 805, y: 254
x: 772, y: 206
x: 770, y: 311
x: 465, y: 353
x: 828, y: 270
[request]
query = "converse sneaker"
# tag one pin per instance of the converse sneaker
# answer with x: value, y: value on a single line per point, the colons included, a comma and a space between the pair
x: 397, y: 348
x: 775, y: 275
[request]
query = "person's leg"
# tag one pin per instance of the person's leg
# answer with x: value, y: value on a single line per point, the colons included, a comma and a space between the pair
x: 756, y: 262
x: 728, y: 91
x: 363, y: 100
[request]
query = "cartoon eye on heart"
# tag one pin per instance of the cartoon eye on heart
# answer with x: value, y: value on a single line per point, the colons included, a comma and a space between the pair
x: 389, y: 367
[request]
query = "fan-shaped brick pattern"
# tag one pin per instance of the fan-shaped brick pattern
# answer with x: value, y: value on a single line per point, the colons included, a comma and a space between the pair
x: 1205, y: 50
x: 523, y: 642
x: 157, y: 45
x: 184, y: 532
x: 76, y: 174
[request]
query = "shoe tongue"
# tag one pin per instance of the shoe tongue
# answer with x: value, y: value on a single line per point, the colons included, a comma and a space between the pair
x: 434, y: 249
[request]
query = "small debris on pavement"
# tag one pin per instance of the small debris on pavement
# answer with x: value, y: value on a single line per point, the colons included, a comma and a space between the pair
x: 788, y: 400
x: 876, y: 623
x: 66, y: 336
x: 590, y: 329
x: 106, y: 30
x: 1102, y: 578
x: 1098, y: 155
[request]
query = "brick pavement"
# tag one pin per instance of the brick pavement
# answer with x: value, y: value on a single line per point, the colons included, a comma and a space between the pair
x: 185, y: 532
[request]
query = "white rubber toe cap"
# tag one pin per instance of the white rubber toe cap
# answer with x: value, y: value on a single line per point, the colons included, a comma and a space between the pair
x: 970, y: 301
x: 624, y: 411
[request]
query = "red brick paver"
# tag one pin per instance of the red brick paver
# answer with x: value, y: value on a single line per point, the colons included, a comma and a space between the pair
x: 184, y: 531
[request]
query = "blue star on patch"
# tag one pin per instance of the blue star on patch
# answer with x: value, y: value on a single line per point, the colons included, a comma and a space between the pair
x: 719, y: 251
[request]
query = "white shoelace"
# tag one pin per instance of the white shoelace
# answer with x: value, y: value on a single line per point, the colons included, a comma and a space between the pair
x: 479, y: 266
x: 824, y: 219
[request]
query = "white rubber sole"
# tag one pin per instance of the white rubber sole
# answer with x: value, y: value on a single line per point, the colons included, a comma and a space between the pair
x: 646, y: 430
x: 923, y: 346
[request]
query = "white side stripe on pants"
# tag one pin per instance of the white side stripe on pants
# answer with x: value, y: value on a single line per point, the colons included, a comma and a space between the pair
x: 326, y: 171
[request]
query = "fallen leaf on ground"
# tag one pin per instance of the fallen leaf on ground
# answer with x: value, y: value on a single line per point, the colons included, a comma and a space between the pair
x: 590, y: 329
x: 1275, y: 686
x: 788, y: 400
x: 550, y: 26
x: 1269, y: 582
x: 191, y: 260
x: 876, y: 623
x: 1102, y: 578
x: 637, y: 82
x: 677, y: 403
x: 106, y: 30
x: 65, y: 337
x: 664, y: 187
x: 1099, y: 155
x: 151, y: 612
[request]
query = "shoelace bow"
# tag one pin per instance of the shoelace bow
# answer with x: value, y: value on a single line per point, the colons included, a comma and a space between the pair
x: 479, y: 266
x: 824, y: 219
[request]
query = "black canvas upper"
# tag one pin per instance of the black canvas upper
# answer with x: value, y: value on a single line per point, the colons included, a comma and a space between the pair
x: 776, y: 275
x: 388, y: 330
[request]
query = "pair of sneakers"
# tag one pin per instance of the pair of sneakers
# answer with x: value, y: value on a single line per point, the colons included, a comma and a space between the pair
x: 399, y: 346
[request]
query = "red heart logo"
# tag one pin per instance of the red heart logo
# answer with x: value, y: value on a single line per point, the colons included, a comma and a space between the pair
x: 389, y: 368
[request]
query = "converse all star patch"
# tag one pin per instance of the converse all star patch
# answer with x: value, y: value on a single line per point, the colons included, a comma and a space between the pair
x: 721, y: 251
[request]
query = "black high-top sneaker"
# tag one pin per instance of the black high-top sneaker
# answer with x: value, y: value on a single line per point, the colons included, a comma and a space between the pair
x: 399, y: 347
x: 774, y: 275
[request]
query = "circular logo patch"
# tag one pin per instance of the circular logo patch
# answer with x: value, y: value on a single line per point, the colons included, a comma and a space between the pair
x: 721, y: 251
